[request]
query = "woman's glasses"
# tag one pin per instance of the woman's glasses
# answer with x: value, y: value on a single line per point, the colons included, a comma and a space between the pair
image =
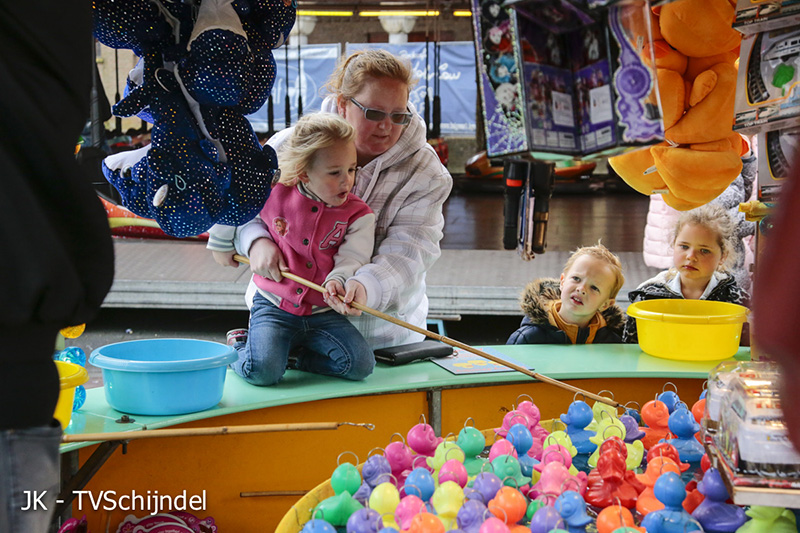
x: 376, y: 115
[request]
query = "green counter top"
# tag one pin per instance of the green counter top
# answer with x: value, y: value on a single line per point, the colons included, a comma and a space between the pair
x: 556, y: 361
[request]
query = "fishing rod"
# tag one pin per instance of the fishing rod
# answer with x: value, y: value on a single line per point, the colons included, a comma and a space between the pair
x: 447, y: 340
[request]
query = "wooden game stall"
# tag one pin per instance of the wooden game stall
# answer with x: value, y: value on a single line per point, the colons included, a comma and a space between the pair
x: 249, y: 481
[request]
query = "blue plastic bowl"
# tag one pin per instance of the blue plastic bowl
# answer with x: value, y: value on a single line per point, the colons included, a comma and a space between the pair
x: 163, y: 376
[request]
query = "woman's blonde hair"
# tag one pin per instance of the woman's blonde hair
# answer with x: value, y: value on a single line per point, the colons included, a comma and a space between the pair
x: 353, y: 72
x: 311, y: 133
x: 715, y: 218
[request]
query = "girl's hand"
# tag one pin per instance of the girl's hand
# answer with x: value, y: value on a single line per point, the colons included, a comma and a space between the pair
x: 334, y: 290
x: 353, y: 292
x: 267, y: 260
x: 226, y: 258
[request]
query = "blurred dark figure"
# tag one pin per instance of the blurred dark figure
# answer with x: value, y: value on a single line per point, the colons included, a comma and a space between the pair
x: 57, y: 260
x: 776, y: 298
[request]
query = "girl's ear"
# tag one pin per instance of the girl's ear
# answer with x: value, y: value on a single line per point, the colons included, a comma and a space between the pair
x: 561, y: 281
x: 607, y: 304
x: 303, y: 176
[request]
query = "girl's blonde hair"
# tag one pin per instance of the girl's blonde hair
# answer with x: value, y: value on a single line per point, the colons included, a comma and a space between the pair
x: 353, y: 72
x: 311, y: 133
x: 715, y: 218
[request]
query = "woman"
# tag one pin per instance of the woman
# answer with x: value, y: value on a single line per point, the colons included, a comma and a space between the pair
x: 402, y: 180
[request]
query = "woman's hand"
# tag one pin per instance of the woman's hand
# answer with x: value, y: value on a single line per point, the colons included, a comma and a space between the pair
x: 225, y: 258
x: 267, y: 260
x: 353, y: 291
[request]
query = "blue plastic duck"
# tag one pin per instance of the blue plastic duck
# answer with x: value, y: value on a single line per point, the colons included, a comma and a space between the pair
x: 671, y: 491
x: 578, y: 416
x: 713, y: 513
x: 520, y: 436
x: 572, y: 508
x: 670, y: 398
x: 684, y: 426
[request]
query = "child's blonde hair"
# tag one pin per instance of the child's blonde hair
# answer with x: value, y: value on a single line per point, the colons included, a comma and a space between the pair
x: 352, y: 73
x: 714, y: 218
x: 598, y: 251
x: 311, y: 133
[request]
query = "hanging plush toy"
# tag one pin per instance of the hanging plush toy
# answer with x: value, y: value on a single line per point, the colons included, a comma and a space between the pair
x: 204, y: 66
x: 694, y: 51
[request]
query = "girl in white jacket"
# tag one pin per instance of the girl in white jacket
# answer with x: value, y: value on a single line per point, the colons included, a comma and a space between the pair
x: 402, y: 180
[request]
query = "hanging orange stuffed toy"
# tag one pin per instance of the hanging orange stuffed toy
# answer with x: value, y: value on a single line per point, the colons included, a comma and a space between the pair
x: 694, y: 49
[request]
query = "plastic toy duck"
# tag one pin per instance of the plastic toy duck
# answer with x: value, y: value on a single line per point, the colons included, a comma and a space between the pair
x: 376, y: 470
x: 562, y: 439
x: 366, y: 519
x: 509, y: 505
x: 408, y: 507
x: 578, y: 416
x: 453, y: 470
x: 419, y: 482
x: 630, y: 477
x: 598, y: 408
x: 555, y: 479
x: 515, y: 416
x: 556, y: 452
x: 769, y: 520
x: 534, y: 417
x: 610, y: 485
x: 693, y: 496
x: 447, y: 499
x: 384, y: 499
x: 665, y: 449
x: 471, y: 515
x: 670, y: 491
x: 632, y: 430
x: 614, y: 517
x: 669, y: 397
x: 502, y: 447
x: 572, y: 508
x: 337, y: 509
x: 422, y: 439
x: 520, y: 436
x: 647, y: 501
x: 507, y: 468
x: 487, y: 484
x: 472, y: 442
x: 546, y: 519
x: 683, y: 425
x: 613, y: 427
x: 400, y: 460
x: 445, y: 450
x: 656, y: 415
x: 346, y: 477
x: 315, y: 525
x: 713, y: 513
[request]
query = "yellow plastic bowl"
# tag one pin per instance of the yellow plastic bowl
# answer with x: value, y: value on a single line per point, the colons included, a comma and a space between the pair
x: 688, y: 330
x: 70, y: 376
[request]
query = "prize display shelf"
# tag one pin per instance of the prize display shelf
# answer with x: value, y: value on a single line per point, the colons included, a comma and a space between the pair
x: 755, y: 490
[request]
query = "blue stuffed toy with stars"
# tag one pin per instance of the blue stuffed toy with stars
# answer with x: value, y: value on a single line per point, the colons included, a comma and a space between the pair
x: 204, y: 65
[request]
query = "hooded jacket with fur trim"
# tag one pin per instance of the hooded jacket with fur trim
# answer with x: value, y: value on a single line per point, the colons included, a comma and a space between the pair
x: 536, y: 327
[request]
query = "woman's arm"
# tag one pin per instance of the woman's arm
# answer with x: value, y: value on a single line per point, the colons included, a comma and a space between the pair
x: 411, y: 242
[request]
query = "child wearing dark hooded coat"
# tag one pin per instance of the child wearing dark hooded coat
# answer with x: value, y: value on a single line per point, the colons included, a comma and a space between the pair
x: 579, y: 307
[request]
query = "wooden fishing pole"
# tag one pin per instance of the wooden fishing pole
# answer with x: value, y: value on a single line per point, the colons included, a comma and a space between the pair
x: 447, y: 340
x: 220, y: 430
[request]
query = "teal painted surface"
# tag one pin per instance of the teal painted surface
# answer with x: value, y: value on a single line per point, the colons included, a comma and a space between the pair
x: 558, y: 362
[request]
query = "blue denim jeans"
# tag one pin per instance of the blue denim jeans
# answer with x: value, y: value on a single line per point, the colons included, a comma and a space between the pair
x: 332, y: 345
x: 29, y: 466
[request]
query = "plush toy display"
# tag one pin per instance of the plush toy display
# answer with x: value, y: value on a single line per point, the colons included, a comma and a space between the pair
x: 203, y: 67
x: 694, y: 57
